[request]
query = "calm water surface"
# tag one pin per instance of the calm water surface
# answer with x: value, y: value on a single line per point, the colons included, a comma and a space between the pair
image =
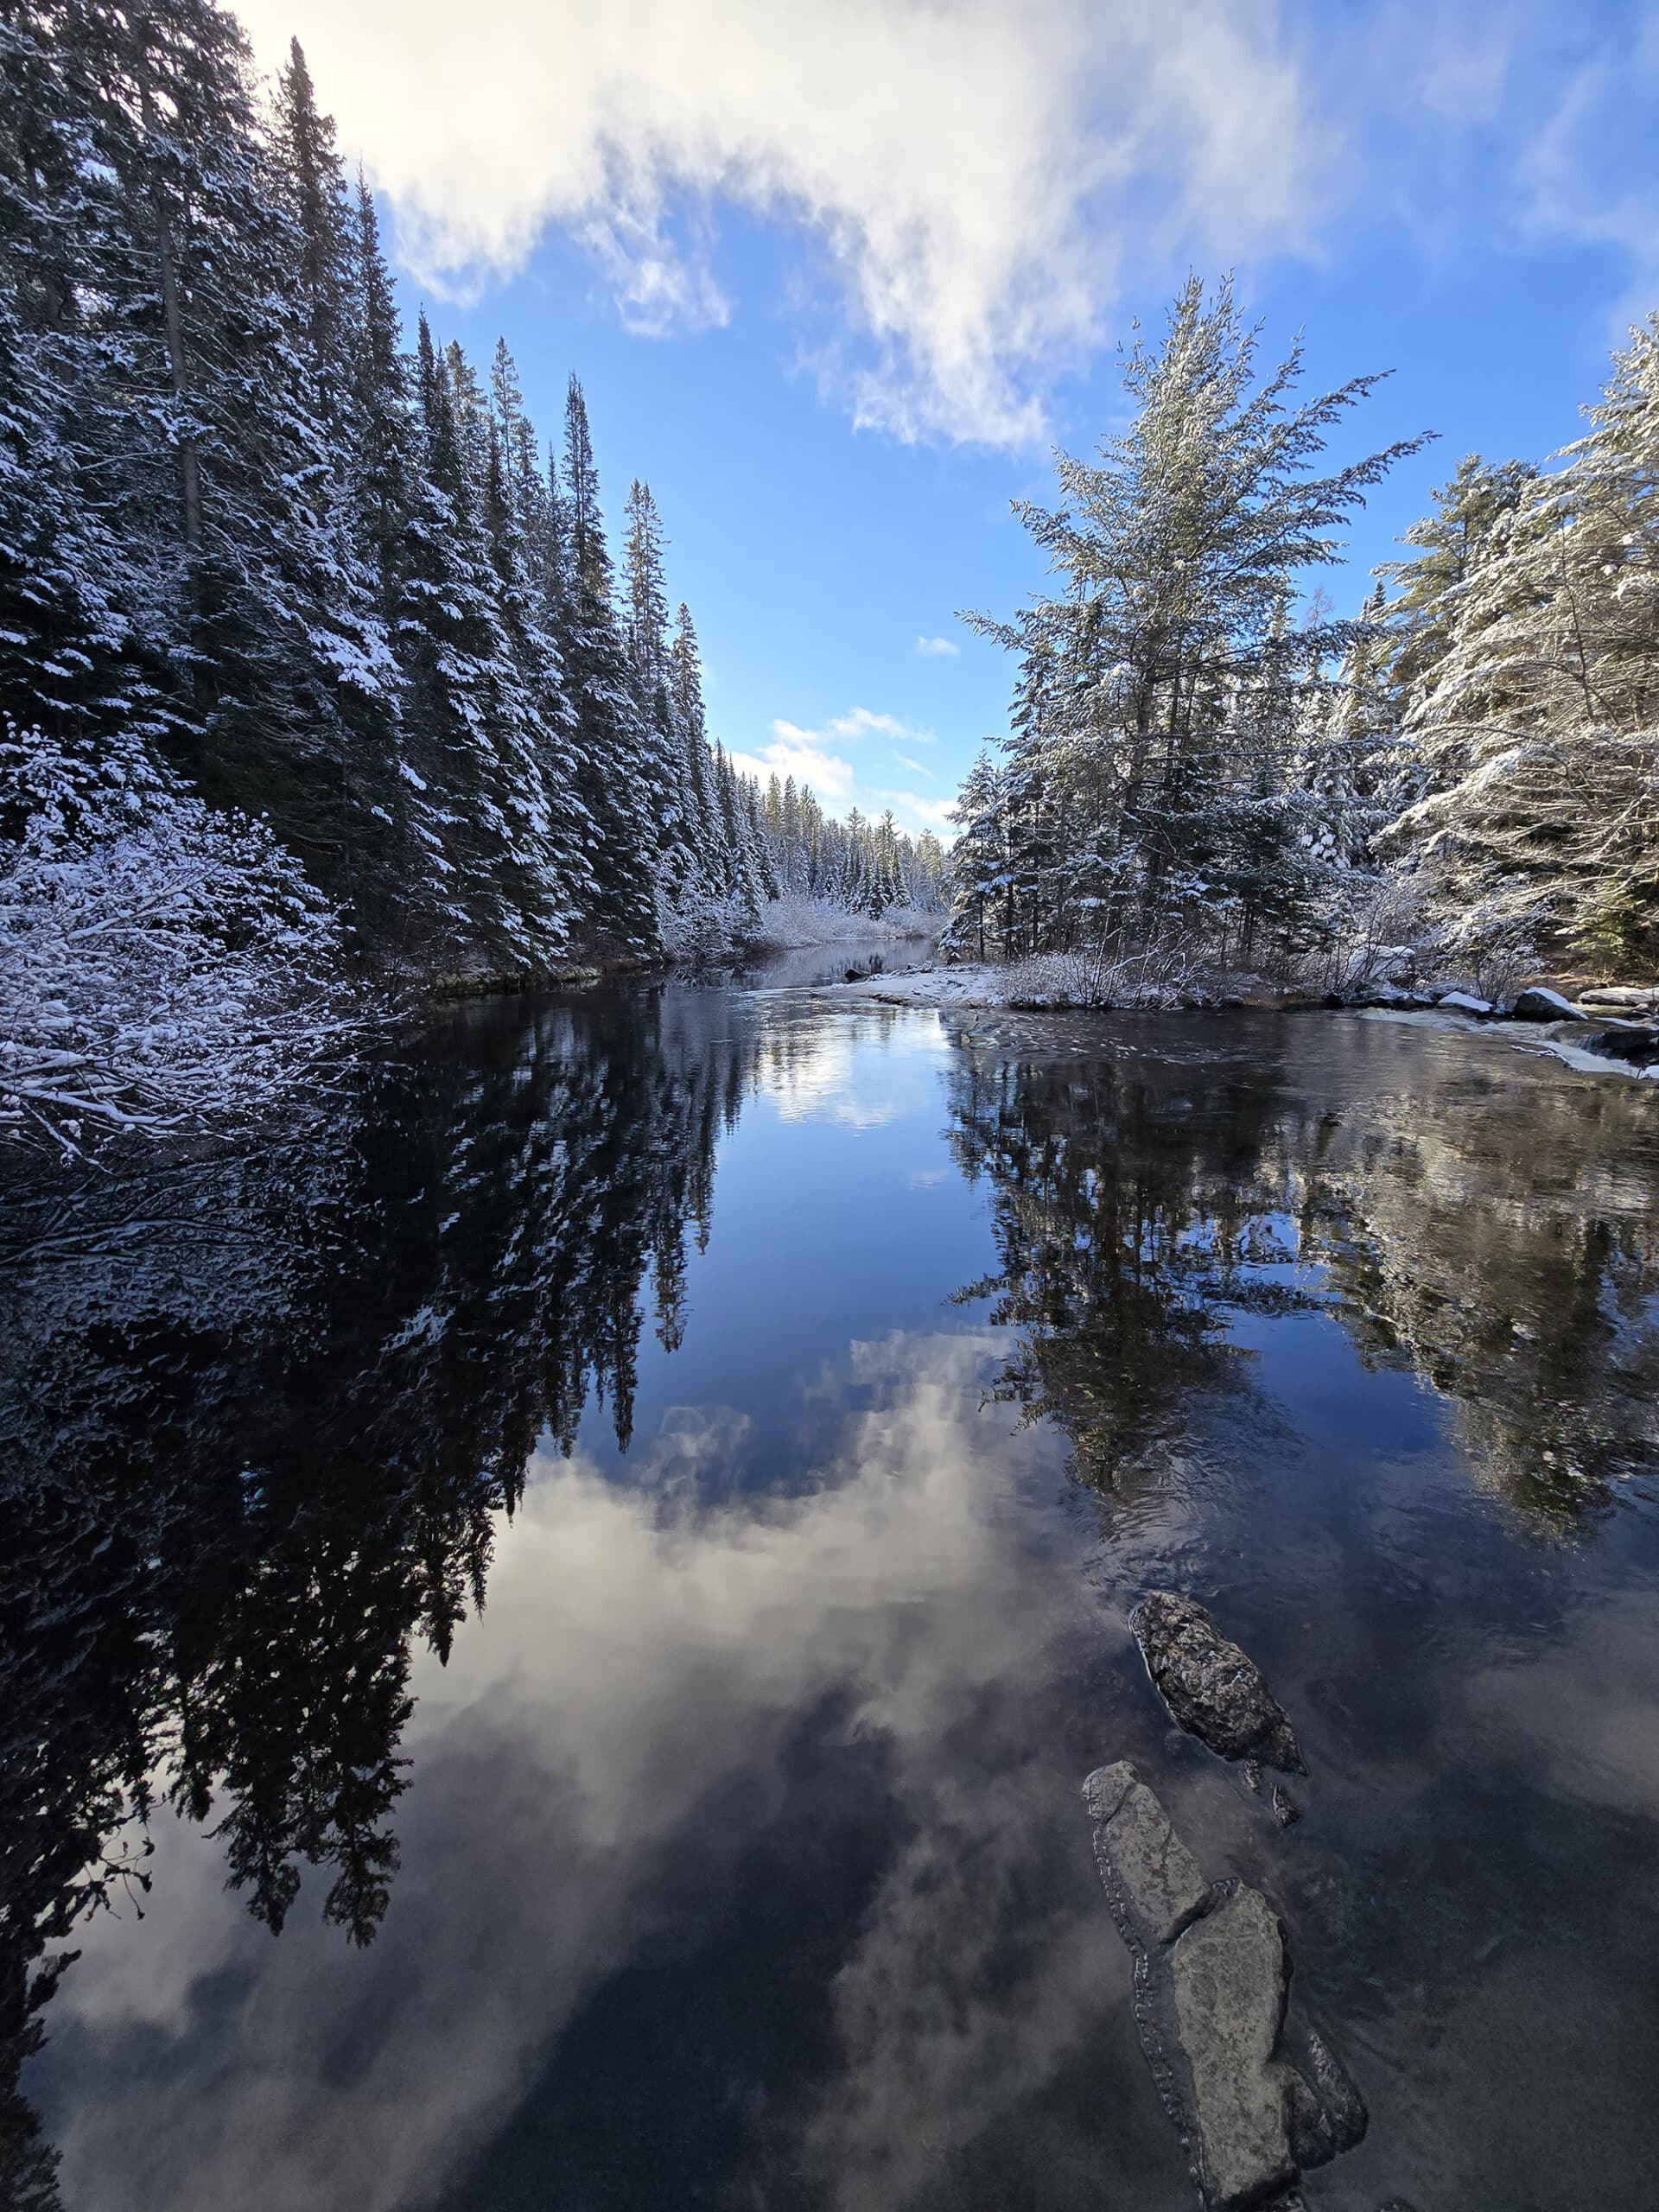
x: 563, y: 1617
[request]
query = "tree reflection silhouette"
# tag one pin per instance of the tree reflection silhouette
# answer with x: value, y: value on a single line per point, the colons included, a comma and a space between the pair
x: 1491, y: 1229
x: 258, y: 1415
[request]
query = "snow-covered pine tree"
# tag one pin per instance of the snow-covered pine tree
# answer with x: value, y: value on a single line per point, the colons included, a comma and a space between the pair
x: 979, y: 863
x: 368, y: 866
x: 66, y: 645
x: 706, y: 829
x: 402, y: 906
x: 227, y: 450
x: 1176, y: 547
x: 481, y: 746
x: 1537, y: 725
x: 645, y: 632
x: 614, y: 771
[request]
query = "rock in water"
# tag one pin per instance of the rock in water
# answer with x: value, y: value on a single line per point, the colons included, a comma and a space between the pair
x: 1215, y: 1690
x: 1628, y: 998
x: 1149, y: 1874
x: 1228, y: 1973
x: 1634, y: 1041
x: 1463, y: 1002
x: 1540, y: 1003
x: 1211, y: 1976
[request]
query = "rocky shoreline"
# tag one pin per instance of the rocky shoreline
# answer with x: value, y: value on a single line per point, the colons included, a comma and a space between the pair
x: 1607, y: 1030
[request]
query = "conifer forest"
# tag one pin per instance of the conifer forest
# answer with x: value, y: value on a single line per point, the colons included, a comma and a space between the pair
x: 316, y: 663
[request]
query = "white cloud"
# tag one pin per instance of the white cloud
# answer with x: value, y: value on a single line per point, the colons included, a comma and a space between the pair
x: 938, y: 649
x: 862, y: 724
x: 796, y: 752
x: 930, y: 813
x: 809, y: 755
x: 1584, y: 174
x: 636, y: 1668
x: 968, y: 178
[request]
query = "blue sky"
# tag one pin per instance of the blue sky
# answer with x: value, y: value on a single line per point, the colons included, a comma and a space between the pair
x: 836, y: 274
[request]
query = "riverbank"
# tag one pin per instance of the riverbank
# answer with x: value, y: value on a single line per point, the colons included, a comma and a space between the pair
x: 1597, y: 1035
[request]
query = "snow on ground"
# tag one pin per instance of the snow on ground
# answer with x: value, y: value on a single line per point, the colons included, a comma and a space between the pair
x: 1553, y: 1038
x: 942, y: 987
x: 788, y: 925
x: 982, y: 987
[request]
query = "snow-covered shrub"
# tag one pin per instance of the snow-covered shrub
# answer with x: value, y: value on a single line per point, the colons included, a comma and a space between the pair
x: 163, y: 967
x: 1164, y: 977
x: 796, y: 920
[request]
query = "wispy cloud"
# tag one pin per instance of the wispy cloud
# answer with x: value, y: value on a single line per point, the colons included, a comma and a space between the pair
x: 811, y: 757
x: 966, y: 180
x: 862, y: 724
x: 918, y: 810
x: 800, y: 753
x: 938, y: 649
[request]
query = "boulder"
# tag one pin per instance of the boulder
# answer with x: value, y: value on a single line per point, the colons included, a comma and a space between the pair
x: 1228, y: 1976
x: 1539, y: 1003
x: 1151, y: 1876
x: 1215, y: 1690
x: 1631, y: 998
x: 1637, y: 1042
x: 1463, y: 1002
x: 1255, y: 2100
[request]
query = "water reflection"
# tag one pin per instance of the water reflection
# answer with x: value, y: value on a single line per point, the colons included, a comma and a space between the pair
x: 1488, y: 1227
x: 733, y: 1858
x: 260, y: 1418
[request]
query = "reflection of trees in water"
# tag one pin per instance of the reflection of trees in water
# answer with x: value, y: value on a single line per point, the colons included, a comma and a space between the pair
x: 1504, y: 1244
x: 257, y: 1416
x: 1498, y: 1238
x: 1129, y: 1208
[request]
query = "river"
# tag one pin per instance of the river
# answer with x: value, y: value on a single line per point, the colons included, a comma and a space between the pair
x: 555, y: 1618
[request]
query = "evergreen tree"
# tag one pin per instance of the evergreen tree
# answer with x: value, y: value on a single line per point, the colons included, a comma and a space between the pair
x: 1534, y: 709
x: 616, y: 777
x: 68, y: 656
x: 1149, y: 764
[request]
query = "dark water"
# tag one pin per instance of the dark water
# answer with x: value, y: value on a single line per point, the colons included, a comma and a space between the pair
x: 586, y: 1590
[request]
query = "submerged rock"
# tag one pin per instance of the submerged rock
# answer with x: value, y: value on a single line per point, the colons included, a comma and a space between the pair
x: 1540, y: 1003
x: 1214, y: 1689
x: 1255, y: 2102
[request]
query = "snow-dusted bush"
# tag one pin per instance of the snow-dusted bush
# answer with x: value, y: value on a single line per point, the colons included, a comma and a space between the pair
x: 1163, y: 976
x: 163, y: 967
x: 794, y: 921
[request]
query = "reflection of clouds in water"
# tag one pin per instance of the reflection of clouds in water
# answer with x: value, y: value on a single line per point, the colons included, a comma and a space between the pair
x: 697, y: 1454
x: 631, y: 1663
x: 1578, y: 1716
x: 819, y: 1073
x: 981, y: 1975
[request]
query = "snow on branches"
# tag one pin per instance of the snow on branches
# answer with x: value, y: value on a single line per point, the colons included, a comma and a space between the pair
x: 164, y: 968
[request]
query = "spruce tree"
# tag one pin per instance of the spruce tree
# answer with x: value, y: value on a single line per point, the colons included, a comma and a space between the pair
x: 614, y: 777
x: 1138, y: 767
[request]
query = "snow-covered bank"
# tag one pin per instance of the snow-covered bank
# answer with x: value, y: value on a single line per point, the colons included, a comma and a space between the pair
x: 1560, y: 1040
x: 788, y: 925
x: 985, y: 987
